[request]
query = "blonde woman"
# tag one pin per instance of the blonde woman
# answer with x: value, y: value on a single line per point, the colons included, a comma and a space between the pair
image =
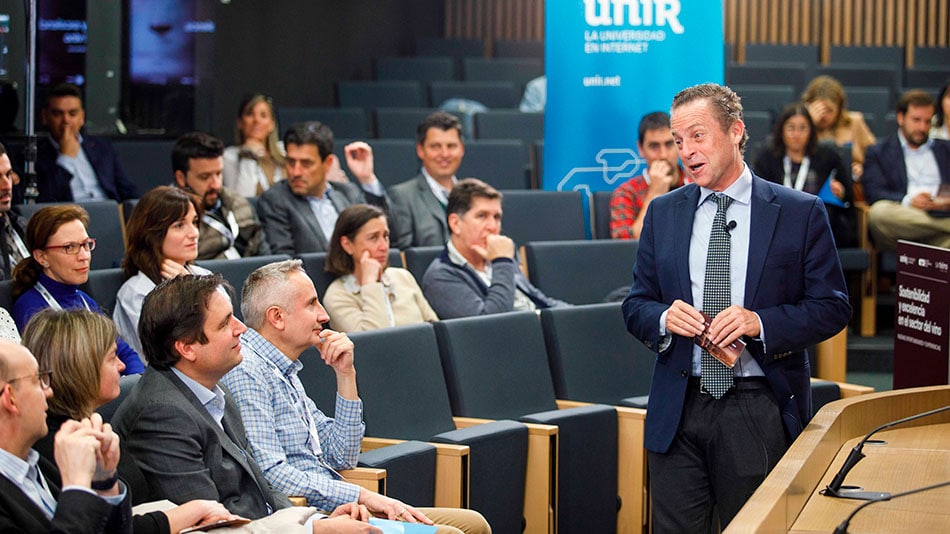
x: 826, y: 102
x: 256, y: 162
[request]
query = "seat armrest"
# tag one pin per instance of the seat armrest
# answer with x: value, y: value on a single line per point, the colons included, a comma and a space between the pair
x: 451, y: 470
x: 367, y: 477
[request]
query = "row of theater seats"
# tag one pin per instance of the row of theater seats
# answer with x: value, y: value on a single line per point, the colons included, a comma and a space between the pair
x: 565, y: 393
x: 519, y: 70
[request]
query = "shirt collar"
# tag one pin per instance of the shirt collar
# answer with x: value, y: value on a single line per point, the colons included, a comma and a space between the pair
x: 204, y: 394
x: 15, y: 467
x: 740, y: 191
x: 325, y: 196
x: 919, y: 150
x: 436, y: 186
x: 266, y: 350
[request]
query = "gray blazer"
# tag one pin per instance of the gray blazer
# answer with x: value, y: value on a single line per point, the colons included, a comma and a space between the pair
x: 183, y: 452
x: 289, y: 223
x: 418, y: 217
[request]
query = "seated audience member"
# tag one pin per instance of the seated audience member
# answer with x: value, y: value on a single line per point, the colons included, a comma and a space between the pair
x: 90, y: 498
x: 183, y: 429
x: 281, y: 306
x: 79, y: 347
x: 906, y: 177
x: 229, y: 227
x: 368, y: 293
x: 299, y: 213
x: 477, y: 273
x: 50, y: 278
x: 826, y: 102
x: 70, y: 166
x: 794, y: 158
x: 941, y: 121
x: 161, y: 243
x: 629, y: 202
x: 418, y: 204
x: 256, y: 162
x: 12, y: 246
x: 535, y: 95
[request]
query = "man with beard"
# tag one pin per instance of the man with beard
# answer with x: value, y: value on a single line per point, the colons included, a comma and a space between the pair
x: 12, y: 246
x: 229, y: 228
x: 906, y: 179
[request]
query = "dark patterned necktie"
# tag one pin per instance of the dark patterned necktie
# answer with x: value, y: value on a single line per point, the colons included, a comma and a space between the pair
x: 717, y: 296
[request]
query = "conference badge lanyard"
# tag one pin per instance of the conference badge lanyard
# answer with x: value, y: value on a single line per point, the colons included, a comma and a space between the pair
x: 41, y: 289
x: 230, y: 232
x: 802, y: 172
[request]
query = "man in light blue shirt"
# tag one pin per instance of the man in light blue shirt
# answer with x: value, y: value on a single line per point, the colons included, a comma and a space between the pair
x: 87, y: 455
x: 280, y: 305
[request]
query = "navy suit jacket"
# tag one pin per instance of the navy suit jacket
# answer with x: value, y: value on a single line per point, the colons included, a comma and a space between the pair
x: 793, y: 281
x: 53, y: 180
x: 76, y: 511
x: 885, y: 173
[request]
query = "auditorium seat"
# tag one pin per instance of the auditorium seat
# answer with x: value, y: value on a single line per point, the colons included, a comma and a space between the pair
x: 148, y: 162
x: 344, y: 121
x: 399, y: 123
x: 769, y: 73
x: 518, y: 48
x: 864, y: 74
x: 517, y: 70
x: 758, y: 124
x: 502, y: 163
x: 102, y: 286
x: 236, y: 271
x: 372, y: 95
x: 932, y: 57
x: 105, y: 225
x: 418, y: 259
x: 420, y: 69
x: 886, y: 55
x: 875, y: 100
x: 543, y: 216
x: 581, y: 272
x: 491, y: 94
x: 763, y: 53
x: 510, y: 124
x: 926, y: 76
x: 456, y: 48
x: 767, y: 98
x: 496, y: 367
x: 593, y: 359
x: 404, y: 397
x: 600, y: 211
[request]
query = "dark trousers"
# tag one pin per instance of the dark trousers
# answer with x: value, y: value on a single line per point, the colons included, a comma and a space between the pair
x: 722, y: 451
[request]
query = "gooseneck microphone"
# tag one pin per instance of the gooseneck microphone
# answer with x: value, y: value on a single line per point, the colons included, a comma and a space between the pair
x: 843, y: 527
x: 835, y: 488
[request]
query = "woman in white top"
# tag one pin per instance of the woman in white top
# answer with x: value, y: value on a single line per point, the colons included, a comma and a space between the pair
x: 941, y: 124
x: 256, y: 162
x: 369, y: 294
x: 162, y: 243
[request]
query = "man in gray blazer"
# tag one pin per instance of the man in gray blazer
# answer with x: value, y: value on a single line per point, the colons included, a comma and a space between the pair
x: 184, y: 430
x: 299, y: 213
x: 418, y: 205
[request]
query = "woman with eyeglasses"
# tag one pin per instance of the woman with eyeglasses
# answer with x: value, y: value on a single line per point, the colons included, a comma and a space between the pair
x: 793, y: 157
x: 50, y: 277
x: 161, y: 243
x: 77, y: 349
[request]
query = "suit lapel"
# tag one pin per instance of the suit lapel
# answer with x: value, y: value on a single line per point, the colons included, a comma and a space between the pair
x: 896, y: 154
x: 684, y: 210
x: 764, y: 216
x: 11, y: 492
x: 311, y: 219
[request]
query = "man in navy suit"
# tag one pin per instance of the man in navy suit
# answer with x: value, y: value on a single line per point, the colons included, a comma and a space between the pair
x: 709, y: 451
x: 70, y: 166
x: 903, y: 175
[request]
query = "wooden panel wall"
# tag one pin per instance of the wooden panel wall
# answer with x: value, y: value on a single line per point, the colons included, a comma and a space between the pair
x: 826, y: 23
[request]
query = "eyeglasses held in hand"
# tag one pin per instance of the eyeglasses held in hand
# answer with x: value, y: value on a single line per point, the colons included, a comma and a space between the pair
x: 73, y: 248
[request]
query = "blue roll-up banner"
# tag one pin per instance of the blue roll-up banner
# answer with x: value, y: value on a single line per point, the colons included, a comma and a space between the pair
x: 609, y: 62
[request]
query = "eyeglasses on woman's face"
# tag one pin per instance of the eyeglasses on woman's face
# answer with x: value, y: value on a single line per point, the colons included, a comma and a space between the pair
x: 74, y: 248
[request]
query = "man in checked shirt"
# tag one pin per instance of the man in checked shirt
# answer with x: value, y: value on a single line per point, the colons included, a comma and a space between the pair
x: 285, y: 318
x: 628, y: 204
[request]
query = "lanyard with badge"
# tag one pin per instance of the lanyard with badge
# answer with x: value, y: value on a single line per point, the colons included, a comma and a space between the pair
x: 802, y: 172
x: 300, y: 408
x: 41, y: 289
x: 230, y: 232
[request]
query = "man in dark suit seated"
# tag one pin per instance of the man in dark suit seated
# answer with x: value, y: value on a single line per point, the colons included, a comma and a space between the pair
x: 730, y: 261
x: 907, y: 179
x: 12, y: 246
x: 70, y: 166
x: 418, y: 217
x: 87, y: 453
x: 299, y: 213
